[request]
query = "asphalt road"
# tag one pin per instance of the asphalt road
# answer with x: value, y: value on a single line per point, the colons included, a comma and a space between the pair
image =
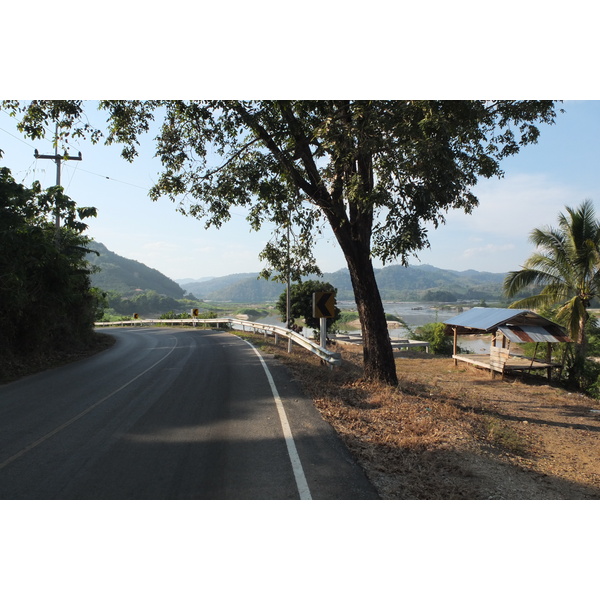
x: 170, y: 414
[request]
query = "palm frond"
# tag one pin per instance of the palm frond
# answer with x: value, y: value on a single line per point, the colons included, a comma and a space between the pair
x: 517, y: 281
x: 567, y: 264
x: 538, y: 301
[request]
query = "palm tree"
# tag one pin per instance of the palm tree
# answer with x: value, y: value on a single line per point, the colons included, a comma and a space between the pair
x: 567, y: 265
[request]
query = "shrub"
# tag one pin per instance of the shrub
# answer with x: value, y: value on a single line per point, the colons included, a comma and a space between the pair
x: 434, y: 333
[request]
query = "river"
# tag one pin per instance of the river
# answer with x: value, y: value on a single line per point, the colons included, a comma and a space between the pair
x: 414, y: 314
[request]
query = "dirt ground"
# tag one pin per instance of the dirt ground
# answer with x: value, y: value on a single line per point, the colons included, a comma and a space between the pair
x: 453, y: 432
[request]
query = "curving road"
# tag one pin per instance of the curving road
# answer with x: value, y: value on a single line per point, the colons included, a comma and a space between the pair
x: 170, y: 414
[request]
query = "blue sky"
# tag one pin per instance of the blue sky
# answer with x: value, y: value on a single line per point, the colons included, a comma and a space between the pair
x: 458, y: 50
x: 561, y: 170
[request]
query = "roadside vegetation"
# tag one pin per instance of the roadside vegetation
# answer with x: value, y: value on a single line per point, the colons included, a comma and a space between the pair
x: 561, y: 280
x: 47, y: 305
x: 301, y: 305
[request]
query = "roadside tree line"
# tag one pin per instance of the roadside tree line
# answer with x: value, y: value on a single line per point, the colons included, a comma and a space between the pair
x: 47, y: 304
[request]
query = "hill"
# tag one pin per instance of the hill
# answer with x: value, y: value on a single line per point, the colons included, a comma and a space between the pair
x: 396, y: 283
x: 238, y: 287
x: 127, y: 276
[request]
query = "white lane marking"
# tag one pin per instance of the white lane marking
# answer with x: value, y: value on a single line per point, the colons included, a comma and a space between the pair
x: 301, y: 482
x: 81, y: 414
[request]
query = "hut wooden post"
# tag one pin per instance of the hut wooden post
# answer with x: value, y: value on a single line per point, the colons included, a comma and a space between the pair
x: 455, y: 346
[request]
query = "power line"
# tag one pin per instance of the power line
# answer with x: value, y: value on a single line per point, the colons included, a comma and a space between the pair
x: 111, y: 178
x: 57, y: 158
x: 54, y: 158
x: 16, y: 138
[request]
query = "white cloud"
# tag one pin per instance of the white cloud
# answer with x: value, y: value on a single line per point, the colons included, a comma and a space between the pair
x: 515, y: 205
x: 495, y: 237
x: 488, y: 249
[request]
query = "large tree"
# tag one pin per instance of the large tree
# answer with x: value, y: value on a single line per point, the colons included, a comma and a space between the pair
x: 377, y: 172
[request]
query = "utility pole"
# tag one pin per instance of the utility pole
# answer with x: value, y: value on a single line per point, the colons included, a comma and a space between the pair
x: 57, y: 158
x: 288, y: 297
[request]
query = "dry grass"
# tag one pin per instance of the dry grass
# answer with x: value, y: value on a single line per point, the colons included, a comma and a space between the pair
x: 451, y: 432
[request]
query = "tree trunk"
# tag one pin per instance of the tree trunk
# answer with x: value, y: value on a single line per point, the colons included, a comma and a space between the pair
x: 378, y: 356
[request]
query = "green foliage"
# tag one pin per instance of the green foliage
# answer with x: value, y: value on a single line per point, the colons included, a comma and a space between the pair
x: 301, y: 303
x: 439, y: 296
x: 126, y: 276
x: 147, y: 304
x: 434, y: 333
x: 46, y: 302
x: 567, y: 265
x: 593, y: 336
x: 347, y: 316
x: 254, y: 313
x: 173, y: 315
x: 209, y: 314
x: 101, y: 303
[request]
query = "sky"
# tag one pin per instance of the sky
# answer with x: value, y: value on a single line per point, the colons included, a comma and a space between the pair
x: 560, y: 170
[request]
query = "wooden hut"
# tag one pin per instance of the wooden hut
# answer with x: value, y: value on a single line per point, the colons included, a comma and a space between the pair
x: 506, y: 326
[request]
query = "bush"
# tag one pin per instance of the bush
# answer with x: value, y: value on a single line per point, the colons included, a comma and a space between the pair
x: 434, y: 333
x: 173, y: 315
x: 301, y: 303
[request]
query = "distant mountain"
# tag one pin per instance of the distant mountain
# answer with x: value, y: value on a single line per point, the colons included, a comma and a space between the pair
x: 188, y: 280
x: 128, y: 276
x: 424, y: 282
x: 239, y: 287
x: 396, y: 283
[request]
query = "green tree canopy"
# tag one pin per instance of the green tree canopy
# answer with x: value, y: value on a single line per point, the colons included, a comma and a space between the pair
x: 567, y: 265
x: 46, y: 302
x: 301, y: 302
x: 378, y: 173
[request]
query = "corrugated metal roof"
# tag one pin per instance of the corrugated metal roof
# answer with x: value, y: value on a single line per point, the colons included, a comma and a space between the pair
x: 484, y: 319
x: 531, y: 333
x: 518, y: 325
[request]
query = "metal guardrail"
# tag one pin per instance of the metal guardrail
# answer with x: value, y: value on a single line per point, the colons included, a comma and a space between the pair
x: 331, y: 358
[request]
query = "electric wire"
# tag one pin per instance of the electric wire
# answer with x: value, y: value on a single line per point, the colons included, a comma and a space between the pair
x: 78, y: 167
x: 16, y: 138
x: 109, y: 178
